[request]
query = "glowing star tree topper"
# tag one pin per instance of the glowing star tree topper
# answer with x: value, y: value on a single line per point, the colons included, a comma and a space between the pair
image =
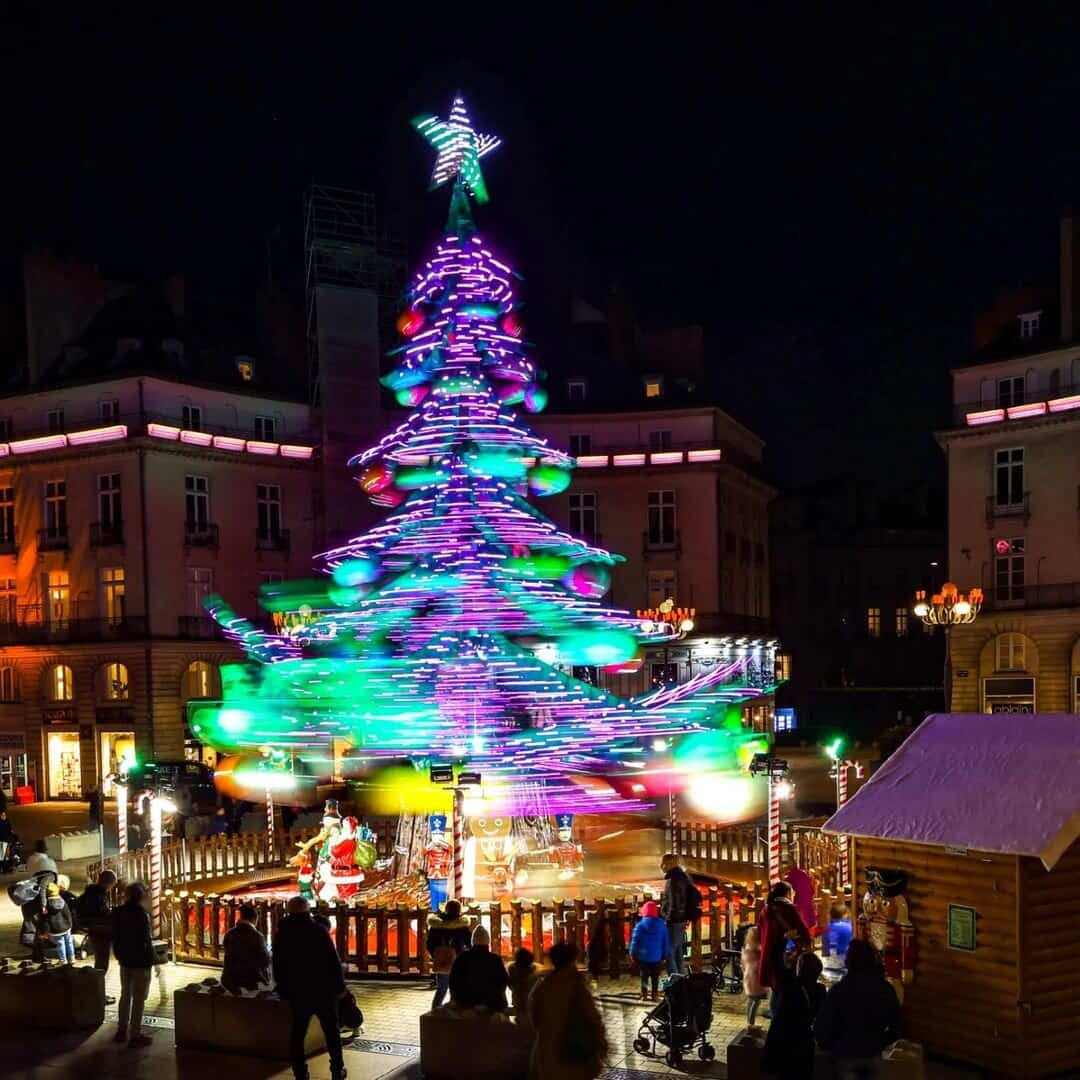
x: 460, y: 148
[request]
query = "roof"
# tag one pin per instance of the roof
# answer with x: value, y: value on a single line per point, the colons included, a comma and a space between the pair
x: 990, y: 782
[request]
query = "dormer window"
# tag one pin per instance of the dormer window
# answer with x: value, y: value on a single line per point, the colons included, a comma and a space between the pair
x: 654, y: 386
x: 1029, y: 324
x: 576, y: 389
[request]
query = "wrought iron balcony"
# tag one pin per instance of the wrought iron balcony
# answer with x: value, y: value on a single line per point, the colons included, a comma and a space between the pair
x: 197, y: 627
x: 39, y: 633
x: 200, y: 534
x: 55, y: 538
x: 1061, y: 595
x: 106, y: 533
x: 996, y: 510
x: 272, y: 539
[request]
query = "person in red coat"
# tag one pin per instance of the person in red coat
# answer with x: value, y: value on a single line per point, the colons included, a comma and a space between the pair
x: 779, y: 923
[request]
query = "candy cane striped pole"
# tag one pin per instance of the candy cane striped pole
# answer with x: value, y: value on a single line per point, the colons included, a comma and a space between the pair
x: 459, y: 843
x: 155, y: 865
x: 841, y: 798
x: 269, y: 826
x: 121, y: 818
x: 673, y: 816
x: 774, y: 829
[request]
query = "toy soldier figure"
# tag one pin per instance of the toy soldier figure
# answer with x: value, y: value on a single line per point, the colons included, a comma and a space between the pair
x: 437, y: 858
x: 568, y: 856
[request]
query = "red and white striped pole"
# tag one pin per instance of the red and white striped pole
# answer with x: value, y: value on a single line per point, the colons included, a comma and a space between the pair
x: 841, y: 798
x: 269, y: 825
x: 673, y: 817
x: 459, y: 843
x: 121, y: 818
x: 774, y: 828
x: 155, y: 865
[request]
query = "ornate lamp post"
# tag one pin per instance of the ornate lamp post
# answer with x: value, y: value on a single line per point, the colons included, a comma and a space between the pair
x: 947, y: 609
x: 780, y: 787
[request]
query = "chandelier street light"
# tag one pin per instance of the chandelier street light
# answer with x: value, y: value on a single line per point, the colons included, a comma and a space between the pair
x: 947, y: 609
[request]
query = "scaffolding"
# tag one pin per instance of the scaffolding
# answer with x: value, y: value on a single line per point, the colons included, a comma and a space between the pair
x: 343, y: 248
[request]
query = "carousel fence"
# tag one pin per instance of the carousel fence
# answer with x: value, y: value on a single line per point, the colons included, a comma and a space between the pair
x: 390, y: 940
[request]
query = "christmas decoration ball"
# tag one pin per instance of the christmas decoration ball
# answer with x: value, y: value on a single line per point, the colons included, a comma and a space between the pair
x: 358, y: 571
x: 549, y: 479
x: 546, y: 567
x: 512, y: 325
x: 535, y: 397
x: 376, y: 477
x: 409, y: 322
x: 590, y: 580
x: 412, y: 395
x: 511, y: 393
x: 600, y: 647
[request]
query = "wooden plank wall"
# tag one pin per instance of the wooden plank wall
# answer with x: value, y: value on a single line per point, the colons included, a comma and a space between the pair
x: 960, y: 1004
x: 1051, y: 947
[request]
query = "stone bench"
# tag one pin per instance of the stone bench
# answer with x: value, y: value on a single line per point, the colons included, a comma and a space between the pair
x: 902, y: 1061
x: 51, y: 996
x: 77, y: 844
x: 257, y: 1026
x: 455, y: 1048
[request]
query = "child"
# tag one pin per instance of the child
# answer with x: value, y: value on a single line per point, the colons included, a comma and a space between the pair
x: 523, y: 977
x: 751, y: 967
x: 649, y: 947
x: 837, y: 938
x: 56, y: 922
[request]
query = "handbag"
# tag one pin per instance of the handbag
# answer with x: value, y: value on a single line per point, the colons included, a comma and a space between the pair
x: 349, y: 1013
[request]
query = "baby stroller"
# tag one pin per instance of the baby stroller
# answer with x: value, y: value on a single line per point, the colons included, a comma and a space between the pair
x: 728, y: 967
x: 681, y: 1019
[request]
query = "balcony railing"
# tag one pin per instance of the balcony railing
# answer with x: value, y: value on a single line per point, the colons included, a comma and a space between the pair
x: 996, y: 510
x: 53, y: 539
x: 196, y: 627
x: 1059, y: 595
x: 272, y: 539
x: 106, y: 533
x: 662, y: 541
x: 200, y: 534
x: 39, y: 633
x: 961, y: 409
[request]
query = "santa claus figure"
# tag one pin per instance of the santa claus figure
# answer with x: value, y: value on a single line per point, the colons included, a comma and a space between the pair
x: 437, y: 857
x: 318, y: 847
x: 885, y: 924
x: 568, y: 856
x: 345, y: 877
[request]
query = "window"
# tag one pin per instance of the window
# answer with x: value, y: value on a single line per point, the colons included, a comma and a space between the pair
x: 659, y: 440
x: 109, y: 409
x: 7, y: 429
x: 8, y: 601
x: 1029, y: 324
x: 783, y: 667
x: 196, y: 503
x: 54, y: 419
x: 661, y: 586
x: 59, y: 685
x: 576, y: 389
x: 113, y: 682
x: 109, y: 513
x: 661, y: 517
x: 112, y: 593
x: 1009, y: 569
x: 200, y: 583
x: 1010, y: 391
x: 583, y: 514
x: 246, y: 367
x: 580, y: 443
x: 663, y: 675
x: 654, y: 386
x: 9, y: 684
x: 271, y: 577
x: 55, y: 509
x: 268, y: 506
x: 59, y: 592
x: 901, y: 621
x: 1009, y: 477
x: 7, y: 515
x: 199, y: 681
x: 873, y: 621
x: 265, y: 428
x: 1055, y: 382
x: 1010, y: 652
x: 191, y: 417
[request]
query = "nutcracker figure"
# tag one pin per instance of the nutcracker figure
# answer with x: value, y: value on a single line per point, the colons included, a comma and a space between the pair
x: 437, y: 858
x: 885, y: 924
x: 568, y: 856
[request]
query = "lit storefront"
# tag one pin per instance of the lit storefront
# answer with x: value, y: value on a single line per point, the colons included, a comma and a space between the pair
x: 64, y: 764
x: 117, y: 754
x: 12, y: 762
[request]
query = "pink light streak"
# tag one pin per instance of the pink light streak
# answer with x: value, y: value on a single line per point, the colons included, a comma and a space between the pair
x: 986, y: 416
x: 98, y: 435
x: 42, y: 442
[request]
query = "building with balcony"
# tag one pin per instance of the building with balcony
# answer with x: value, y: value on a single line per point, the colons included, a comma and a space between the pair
x: 674, y: 484
x: 134, y: 483
x: 1013, y: 453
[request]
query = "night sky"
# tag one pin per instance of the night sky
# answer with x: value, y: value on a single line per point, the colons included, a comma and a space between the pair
x: 833, y: 198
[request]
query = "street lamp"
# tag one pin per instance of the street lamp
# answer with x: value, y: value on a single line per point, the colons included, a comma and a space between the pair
x: 947, y: 609
x: 780, y: 787
x: 839, y: 772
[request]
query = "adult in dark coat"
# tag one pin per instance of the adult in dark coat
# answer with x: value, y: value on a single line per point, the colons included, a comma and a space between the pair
x: 247, y: 961
x: 133, y: 946
x: 779, y: 923
x: 95, y: 914
x: 789, y: 1045
x: 448, y: 936
x: 478, y: 976
x: 308, y: 975
x: 674, y: 910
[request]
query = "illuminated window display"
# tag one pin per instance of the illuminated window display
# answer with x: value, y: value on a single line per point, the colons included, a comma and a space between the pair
x: 65, y: 778
x: 117, y: 753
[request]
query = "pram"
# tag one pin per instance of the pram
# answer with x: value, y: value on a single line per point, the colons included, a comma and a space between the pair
x: 728, y: 967
x: 681, y: 1019
x: 28, y: 895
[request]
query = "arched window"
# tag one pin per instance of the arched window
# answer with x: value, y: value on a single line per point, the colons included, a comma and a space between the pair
x: 59, y: 683
x: 1011, y: 652
x: 200, y: 681
x: 113, y: 683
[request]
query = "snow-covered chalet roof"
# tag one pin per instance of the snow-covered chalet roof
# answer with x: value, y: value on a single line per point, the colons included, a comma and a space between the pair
x: 1001, y: 782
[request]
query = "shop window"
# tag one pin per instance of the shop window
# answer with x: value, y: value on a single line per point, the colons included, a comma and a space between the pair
x: 59, y: 683
x: 117, y: 756
x: 200, y: 681
x: 9, y: 684
x: 65, y: 777
x: 113, y: 684
x: 1010, y: 652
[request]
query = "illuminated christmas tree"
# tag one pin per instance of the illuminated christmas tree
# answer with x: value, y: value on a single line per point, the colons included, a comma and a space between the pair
x: 446, y: 633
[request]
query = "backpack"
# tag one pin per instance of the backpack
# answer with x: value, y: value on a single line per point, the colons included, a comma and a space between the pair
x: 693, y: 902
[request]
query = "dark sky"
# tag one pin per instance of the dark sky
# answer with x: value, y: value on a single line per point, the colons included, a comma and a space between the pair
x: 833, y: 197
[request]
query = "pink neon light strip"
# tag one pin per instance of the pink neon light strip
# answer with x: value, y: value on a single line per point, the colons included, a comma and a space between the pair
x: 1019, y: 412
x: 4, y: 449
x: 987, y: 416
x: 163, y: 431
x: 196, y: 438
x: 1063, y: 404
x: 593, y: 461
x: 98, y: 435
x: 668, y: 457
x: 255, y: 447
x: 42, y: 442
x: 228, y: 442
x: 303, y: 452
x: 628, y: 459
x: 704, y: 455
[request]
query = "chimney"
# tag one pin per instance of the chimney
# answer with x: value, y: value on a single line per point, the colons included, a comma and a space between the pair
x: 1069, y: 279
